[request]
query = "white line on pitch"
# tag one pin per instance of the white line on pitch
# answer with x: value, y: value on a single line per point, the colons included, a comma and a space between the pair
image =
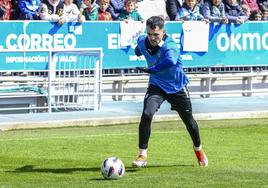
x: 83, y: 136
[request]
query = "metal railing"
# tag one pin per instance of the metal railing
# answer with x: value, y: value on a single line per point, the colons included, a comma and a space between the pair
x: 202, y: 85
x: 74, y: 85
x: 70, y: 81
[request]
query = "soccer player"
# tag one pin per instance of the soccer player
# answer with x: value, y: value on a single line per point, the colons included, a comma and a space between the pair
x: 167, y: 82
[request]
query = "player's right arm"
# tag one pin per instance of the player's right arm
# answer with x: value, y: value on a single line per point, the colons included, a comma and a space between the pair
x: 137, y: 49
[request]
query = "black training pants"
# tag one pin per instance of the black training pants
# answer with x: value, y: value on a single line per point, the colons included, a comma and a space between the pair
x: 179, y: 101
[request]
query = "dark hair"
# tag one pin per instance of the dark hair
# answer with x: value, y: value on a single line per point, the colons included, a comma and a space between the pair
x: 129, y: 1
x: 254, y: 14
x: 155, y: 21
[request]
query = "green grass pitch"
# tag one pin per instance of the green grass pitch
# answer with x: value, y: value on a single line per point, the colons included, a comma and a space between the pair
x: 72, y: 157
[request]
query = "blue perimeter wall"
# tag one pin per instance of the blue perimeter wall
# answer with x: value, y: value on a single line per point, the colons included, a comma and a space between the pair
x: 229, y: 45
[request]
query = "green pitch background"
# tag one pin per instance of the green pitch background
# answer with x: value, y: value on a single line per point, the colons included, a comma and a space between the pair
x: 71, y: 157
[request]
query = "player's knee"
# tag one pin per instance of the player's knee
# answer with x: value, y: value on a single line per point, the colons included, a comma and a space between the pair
x: 186, y: 114
x: 147, y: 116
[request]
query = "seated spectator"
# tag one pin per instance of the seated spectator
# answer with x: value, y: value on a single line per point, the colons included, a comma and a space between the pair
x: 2, y: 13
x: 256, y: 16
x: 265, y: 15
x: 263, y: 5
x: 172, y: 7
x: 130, y: 12
x: 53, y: 10
x: 149, y: 8
x: 77, y: 2
x: 14, y: 10
x: 103, y: 14
x: 252, y: 5
x: 213, y: 10
x: 5, y: 9
x: 234, y: 12
x: 246, y: 10
x: 29, y: 9
x: 72, y: 12
x: 190, y: 10
x: 89, y: 9
x: 115, y: 7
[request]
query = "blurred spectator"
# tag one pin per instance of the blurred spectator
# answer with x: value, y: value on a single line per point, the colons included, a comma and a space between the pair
x: 130, y: 12
x: 246, y: 10
x: 103, y: 14
x: 115, y: 8
x: 234, y: 12
x: 190, y: 10
x: 263, y: 5
x: 5, y: 9
x: 89, y: 9
x: 252, y: 4
x: 72, y: 12
x: 77, y: 2
x: 265, y: 15
x: 256, y: 16
x: 14, y: 10
x: 149, y: 8
x: 172, y: 7
x: 29, y: 9
x: 53, y: 10
x: 2, y: 13
x: 213, y: 10
x: 252, y: 7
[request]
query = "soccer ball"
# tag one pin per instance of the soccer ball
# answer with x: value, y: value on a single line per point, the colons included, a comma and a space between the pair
x: 112, y: 168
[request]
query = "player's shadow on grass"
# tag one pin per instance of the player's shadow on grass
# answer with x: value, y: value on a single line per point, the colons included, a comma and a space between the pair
x: 30, y: 168
x: 134, y: 169
x: 171, y: 166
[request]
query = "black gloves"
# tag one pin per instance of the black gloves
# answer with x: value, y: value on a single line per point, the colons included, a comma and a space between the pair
x: 143, y: 69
